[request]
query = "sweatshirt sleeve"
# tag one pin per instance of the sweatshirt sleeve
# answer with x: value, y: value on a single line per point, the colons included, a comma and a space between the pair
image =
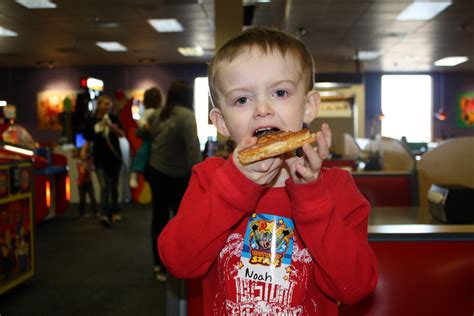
x: 331, y: 216
x: 217, y: 198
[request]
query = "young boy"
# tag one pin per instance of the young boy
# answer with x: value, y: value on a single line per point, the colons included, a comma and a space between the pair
x: 85, y: 166
x: 280, y: 236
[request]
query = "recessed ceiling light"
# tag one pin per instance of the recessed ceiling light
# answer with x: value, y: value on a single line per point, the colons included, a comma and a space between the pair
x: 112, y: 46
x: 422, y: 11
x: 367, y: 55
x: 3, y: 103
x: 4, y: 32
x: 107, y: 25
x: 37, y: 4
x: 191, y: 51
x: 451, y: 61
x: 166, y: 25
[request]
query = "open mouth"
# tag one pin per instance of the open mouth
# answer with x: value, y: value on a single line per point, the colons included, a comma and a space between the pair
x: 265, y: 131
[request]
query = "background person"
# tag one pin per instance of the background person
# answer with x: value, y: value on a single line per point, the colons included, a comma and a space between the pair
x: 85, y: 186
x: 102, y: 135
x: 174, y: 150
x: 151, y: 101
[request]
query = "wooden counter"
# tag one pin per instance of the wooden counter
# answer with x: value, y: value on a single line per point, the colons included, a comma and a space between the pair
x: 399, y: 222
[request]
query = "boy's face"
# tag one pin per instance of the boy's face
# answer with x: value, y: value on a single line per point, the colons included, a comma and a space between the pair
x: 259, y: 91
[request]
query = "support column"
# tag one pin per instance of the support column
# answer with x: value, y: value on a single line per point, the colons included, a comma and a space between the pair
x: 228, y: 17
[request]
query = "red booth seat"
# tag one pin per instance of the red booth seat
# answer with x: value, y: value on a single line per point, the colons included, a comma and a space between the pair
x: 387, y: 190
x: 433, y: 278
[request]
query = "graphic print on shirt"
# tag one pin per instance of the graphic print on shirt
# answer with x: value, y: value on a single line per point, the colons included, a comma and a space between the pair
x: 244, y: 295
x: 267, y: 250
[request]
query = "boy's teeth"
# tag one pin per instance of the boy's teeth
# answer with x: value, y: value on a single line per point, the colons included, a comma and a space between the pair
x: 265, y: 130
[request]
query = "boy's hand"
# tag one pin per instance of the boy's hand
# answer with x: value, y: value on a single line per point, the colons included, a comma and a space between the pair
x: 261, y: 172
x: 306, y: 169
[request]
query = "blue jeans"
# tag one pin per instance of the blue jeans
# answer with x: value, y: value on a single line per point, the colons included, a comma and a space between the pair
x: 108, y: 182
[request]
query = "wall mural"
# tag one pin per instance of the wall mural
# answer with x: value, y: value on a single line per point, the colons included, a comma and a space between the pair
x: 466, y: 110
x: 51, y: 104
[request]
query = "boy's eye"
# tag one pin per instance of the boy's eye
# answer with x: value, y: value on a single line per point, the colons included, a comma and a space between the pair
x: 241, y: 100
x: 281, y: 93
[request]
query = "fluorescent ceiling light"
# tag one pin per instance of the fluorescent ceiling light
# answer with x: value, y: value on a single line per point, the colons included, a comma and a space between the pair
x: 4, y: 32
x: 422, y: 11
x: 451, y: 61
x: 166, y: 25
x: 368, y: 54
x: 245, y: 2
x: 37, y: 4
x: 329, y: 93
x: 112, y: 46
x: 330, y: 85
x: 3, y: 103
x: 191, y: 51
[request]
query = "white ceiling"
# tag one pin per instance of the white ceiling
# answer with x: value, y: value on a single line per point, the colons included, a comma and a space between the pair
x: 332, y: 29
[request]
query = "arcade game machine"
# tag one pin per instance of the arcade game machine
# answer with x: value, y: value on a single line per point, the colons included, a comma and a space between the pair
x: 17, y: 249
x: 50, y: 175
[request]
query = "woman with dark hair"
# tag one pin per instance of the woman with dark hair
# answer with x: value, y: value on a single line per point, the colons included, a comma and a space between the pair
x: 151, y: 101
x: 174, y: 150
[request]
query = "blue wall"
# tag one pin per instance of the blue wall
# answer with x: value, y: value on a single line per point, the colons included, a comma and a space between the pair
x: 20, y: 86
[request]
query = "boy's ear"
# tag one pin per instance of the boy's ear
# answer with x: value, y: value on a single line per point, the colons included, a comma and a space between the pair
x: 218, y: 120
x: 313, y: 102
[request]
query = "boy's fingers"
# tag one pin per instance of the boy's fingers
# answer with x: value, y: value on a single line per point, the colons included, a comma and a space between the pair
x: 323, y: 147
x: 306, y: 173
x: 326, y: 130
x: 312, y: 157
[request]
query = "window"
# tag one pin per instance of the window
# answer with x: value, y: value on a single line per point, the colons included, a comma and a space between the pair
x: 407, y: 107
x: 201, y: 109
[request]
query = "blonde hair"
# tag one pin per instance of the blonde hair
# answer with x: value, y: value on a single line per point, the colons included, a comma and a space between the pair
x: 266, y: 40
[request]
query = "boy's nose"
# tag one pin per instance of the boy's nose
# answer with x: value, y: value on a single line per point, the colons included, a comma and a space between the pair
x: 263, y: 108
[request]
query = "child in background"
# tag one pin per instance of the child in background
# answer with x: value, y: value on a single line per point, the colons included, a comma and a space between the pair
x: 151, y: 101
x: 281, y: 236
x: 85, y: 166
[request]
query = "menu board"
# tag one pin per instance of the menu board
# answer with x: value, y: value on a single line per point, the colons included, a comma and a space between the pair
x: 335, y: 109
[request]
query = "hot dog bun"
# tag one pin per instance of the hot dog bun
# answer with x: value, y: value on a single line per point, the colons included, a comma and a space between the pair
x: 274, y: 144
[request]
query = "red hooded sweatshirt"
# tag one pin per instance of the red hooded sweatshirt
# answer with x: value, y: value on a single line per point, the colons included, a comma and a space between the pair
x: 293, y: 250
